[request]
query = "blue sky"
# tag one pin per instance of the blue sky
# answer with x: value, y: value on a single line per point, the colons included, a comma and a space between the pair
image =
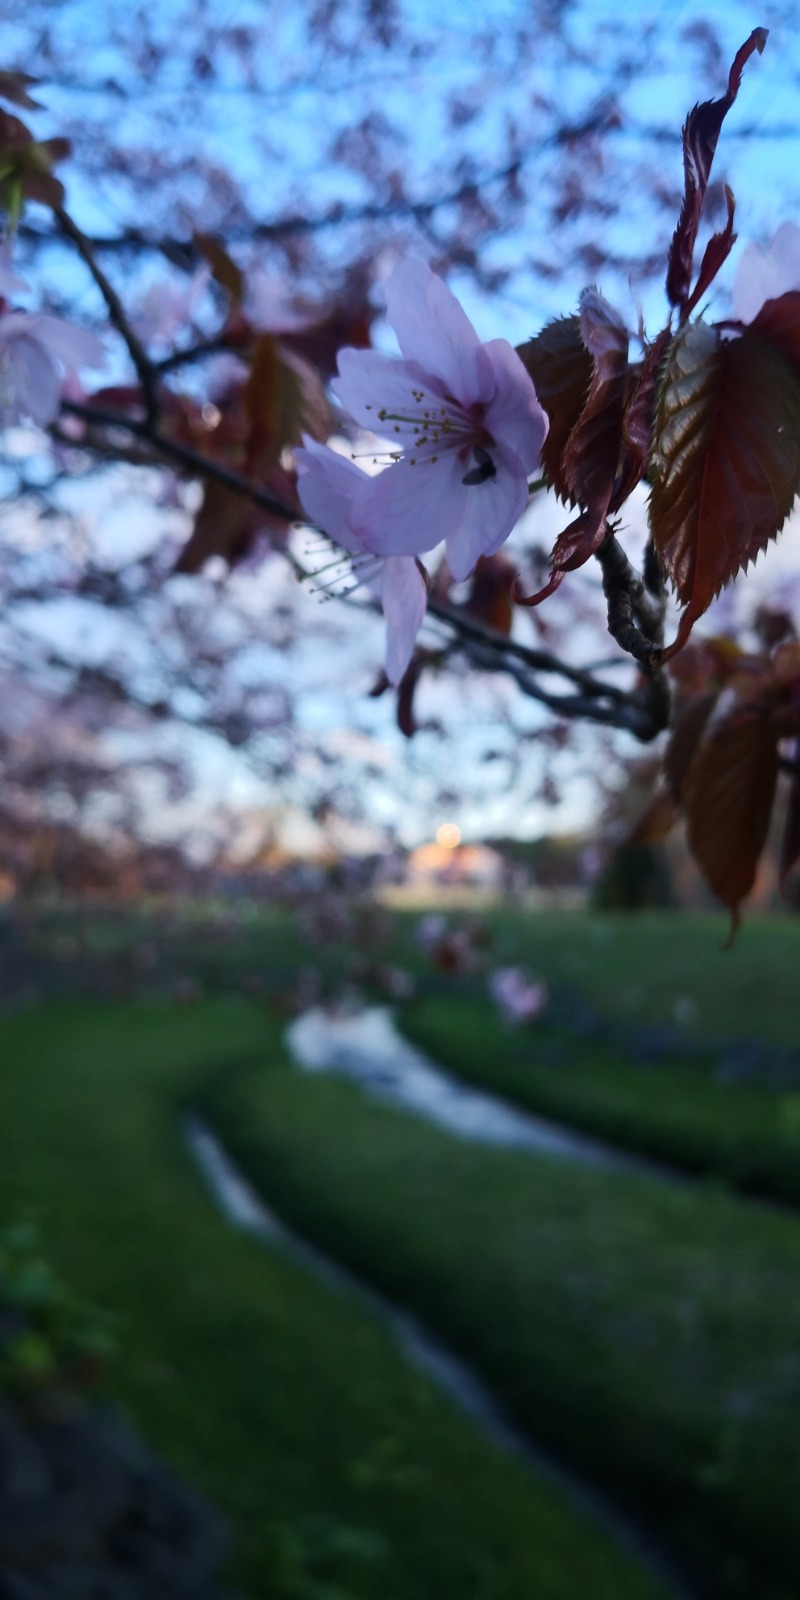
x: 273, y: 144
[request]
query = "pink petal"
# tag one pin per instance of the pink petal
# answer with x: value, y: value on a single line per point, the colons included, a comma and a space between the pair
x: 10, y: 284
x: 268, y: 304
x: 408, y: 509
x: 488, y: 513
x: 74, y: 347
x: 32, y: 381
x: 326, y: 484
x: 515, y: 416
x: 166, y: 308
x: 434, y: 330
x: 404, y: 598
x: 369, y: 383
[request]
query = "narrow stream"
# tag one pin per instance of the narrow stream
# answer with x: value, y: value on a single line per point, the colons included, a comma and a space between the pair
x: 243, y: 1208
x: 365, y: 1045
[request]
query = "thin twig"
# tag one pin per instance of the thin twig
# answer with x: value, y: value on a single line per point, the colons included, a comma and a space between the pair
x: 145, y: 370
x: 534, y: 660
x: 185, y: 456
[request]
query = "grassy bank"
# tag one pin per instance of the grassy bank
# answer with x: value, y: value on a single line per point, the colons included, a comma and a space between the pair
x: 342, y: 1470
x: 662, y: 968
x: 647, y: 1333
x: 678, y: 1111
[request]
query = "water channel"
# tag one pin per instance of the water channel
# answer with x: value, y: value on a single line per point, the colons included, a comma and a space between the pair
x: 364, y: 1045
x: 244, y: 1209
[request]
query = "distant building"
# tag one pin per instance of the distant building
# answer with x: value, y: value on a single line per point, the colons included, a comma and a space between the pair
x: 474, y: 865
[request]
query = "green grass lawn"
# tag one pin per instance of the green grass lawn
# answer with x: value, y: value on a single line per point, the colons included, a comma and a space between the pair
x: 648, y: 1333
x: 638, y: 968
x: 345, y: 1475
x: 635, y: 969
x: 675, y: 1110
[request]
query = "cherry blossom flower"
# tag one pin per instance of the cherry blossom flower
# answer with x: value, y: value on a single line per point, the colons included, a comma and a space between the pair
x: 466, y: 421
x: 766, y: 274
x: 430, y: 929
x: 165, y: 309
x: 518, y: 995
x: 37, y: 355
x: 328, y: 487
x: 10, y: 284
x: 269, y: 305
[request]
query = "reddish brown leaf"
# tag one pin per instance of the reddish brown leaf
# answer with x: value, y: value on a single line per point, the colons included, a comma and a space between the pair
x: 572, y: 548
x: 224, y: 525
x: 716, y: 252
x: 490, y: 594
x: 227, y: 523
x: 117, y: 396
x: 223, y: 270
x: 561, y: 368
x: 272, y: 403
x: 14, y: 88
x: 348, y: 324
x: 773, y: 626
x: 15, y: 135
x: 787, y: 660
x: 684, y: 740
x: 655, y: 822
x: 283, y: 397
x: 701, y: 131
x: 790, y: 844
x: 406, y: 719
x: 637, y: 422
x: 728, y: 803
x: 585, y: 472
x: 779, y: 322
x: 592, y: 453
x: 26, y: 163
x: 315, y: 416
x: 705, y: 664
x: 725, y: 464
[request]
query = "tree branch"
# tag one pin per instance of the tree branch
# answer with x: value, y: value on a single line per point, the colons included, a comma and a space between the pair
x: 643, y: 712
x: 145, y: 370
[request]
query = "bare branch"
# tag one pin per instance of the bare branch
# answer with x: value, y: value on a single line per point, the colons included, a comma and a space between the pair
x: 145, y: 370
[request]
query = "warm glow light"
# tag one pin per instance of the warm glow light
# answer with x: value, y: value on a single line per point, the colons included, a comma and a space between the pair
x: 448, y: 836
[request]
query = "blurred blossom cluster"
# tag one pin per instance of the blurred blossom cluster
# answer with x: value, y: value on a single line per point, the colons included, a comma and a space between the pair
x: 519, y: 996
x: 459, y: 948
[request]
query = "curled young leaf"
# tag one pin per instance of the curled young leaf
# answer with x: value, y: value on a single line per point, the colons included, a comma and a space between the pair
x: 715, y: 254
x: 637, y: 421
x: 725, y: 461
x: 592, y: 453
x: 561, y: 368
x: 585, y: 443
x: 701, y: 131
